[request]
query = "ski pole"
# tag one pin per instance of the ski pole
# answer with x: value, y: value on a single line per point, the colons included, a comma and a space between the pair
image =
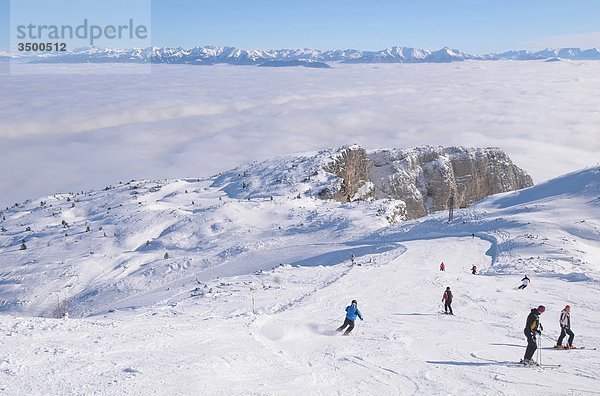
x: 540, y: 351
x: 534, y: 289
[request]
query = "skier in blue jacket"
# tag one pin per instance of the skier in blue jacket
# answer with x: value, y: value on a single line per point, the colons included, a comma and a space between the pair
x: 351, y: 313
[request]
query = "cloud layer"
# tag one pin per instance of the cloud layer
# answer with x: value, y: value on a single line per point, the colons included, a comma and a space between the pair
x: 75, y: 132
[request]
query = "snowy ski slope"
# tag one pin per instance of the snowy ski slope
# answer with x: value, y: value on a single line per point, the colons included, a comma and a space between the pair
x: 145, y: 324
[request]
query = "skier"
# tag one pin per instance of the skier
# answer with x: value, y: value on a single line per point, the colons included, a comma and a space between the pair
x: 442, y: 266
x: 447, y: 299
x: 351, y: 313
x: 533, y: 327
x: 525, y: 283
x: 474, y: 269
x: 565, y: 328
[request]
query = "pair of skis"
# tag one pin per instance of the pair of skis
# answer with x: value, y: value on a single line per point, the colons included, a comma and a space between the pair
x: 521, y: 364
x: 572, y: 349
x: 534, y: 364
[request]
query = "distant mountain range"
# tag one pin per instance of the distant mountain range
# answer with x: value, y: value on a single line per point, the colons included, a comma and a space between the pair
x: 210, y: 55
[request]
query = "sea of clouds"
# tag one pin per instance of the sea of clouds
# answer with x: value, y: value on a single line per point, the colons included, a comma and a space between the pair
x: 76, y: 131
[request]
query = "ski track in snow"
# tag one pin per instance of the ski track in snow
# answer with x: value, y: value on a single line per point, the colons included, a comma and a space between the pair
x: 290, y: 346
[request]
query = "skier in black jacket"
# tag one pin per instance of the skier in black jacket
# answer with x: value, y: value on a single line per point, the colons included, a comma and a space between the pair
x: 447, y: 300
x: 533, y: 327
x: 525, y: 283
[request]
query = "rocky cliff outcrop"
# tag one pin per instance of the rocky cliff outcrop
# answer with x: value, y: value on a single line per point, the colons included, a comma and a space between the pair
x: 353, y: 167
x: 426, y: 179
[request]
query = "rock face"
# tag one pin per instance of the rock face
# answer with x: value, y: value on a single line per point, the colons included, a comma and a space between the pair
x: 427, y: 179
x: 353, y: 167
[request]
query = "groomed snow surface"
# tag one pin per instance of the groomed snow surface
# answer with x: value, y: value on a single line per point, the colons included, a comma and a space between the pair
x: 188, y: 324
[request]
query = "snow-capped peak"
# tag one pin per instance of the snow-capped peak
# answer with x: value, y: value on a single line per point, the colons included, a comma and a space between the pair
x: 238, y: 56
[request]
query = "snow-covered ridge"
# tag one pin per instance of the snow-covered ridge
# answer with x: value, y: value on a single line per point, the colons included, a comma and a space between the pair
x: 137, y: 243
x: 209, y: 55
x: 422, y: 180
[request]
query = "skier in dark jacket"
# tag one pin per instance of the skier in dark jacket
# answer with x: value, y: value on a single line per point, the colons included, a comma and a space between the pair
x: 525, y: 283
x: 447, y: 299
x: 351, y: 313
x: 565, y: 328
x: 533, y: 327
x: 474, y: 269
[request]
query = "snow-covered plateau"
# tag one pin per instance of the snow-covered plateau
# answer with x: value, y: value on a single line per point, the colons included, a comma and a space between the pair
x: 235, y: 284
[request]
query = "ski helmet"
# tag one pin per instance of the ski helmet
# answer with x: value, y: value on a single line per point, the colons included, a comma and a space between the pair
x: 354, y: 302
x: 448, y: 288
x: 567, y: 307
x: 541, y: 309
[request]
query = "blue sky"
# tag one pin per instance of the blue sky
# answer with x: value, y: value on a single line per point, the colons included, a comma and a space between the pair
x: 476, y: 26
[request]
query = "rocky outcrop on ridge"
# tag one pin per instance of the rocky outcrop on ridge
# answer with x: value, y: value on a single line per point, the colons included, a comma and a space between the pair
x: 426, y: 179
